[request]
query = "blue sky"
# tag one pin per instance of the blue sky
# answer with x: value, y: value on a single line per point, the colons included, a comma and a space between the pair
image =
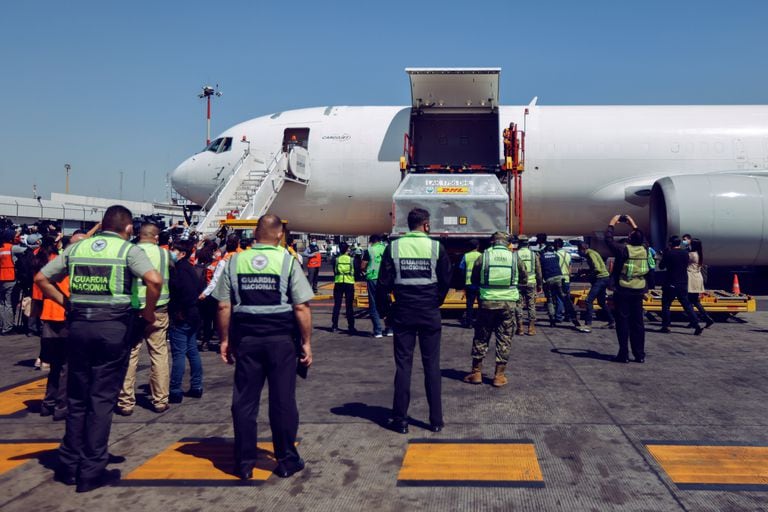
x: 111, y: 86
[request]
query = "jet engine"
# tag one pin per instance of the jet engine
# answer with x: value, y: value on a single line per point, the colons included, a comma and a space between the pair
x: 728, y: 212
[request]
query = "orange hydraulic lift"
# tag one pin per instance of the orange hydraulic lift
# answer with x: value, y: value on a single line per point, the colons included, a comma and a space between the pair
x: 514, y: 163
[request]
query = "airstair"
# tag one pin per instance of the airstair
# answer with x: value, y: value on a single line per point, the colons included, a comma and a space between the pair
x: 248, y: 191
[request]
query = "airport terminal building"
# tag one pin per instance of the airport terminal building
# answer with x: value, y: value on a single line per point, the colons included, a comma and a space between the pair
x: 77, y: 212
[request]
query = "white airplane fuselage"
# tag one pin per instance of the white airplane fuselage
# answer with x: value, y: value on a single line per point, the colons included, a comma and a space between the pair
x: 583, y: 165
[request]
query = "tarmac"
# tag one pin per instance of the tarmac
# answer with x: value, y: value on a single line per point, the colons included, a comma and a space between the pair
x: 571, y: 431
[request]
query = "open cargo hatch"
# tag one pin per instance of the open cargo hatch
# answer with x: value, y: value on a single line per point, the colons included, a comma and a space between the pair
x: 474, y: 88
x: 454, y: 120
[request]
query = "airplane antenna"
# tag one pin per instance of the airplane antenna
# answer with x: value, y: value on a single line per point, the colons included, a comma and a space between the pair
x: 207, y: 93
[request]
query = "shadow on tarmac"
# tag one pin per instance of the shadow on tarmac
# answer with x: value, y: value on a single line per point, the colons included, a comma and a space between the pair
x: 220, y: 453
x: 458, y: 375
x: 452, y: 373
x: 34, y: 406
x: 49, y: 459
x: 582, y: 352
x: 373, y: 413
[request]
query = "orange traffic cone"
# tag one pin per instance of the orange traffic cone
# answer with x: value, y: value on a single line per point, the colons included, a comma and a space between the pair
x: 736, y: 288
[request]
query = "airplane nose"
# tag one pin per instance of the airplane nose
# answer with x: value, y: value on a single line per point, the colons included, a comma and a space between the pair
x: 184, y: 180
x: 180, y: 177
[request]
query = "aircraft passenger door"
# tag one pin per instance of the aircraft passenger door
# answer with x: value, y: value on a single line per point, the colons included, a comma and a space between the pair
x: 295, y: 145
x: 295, y: 137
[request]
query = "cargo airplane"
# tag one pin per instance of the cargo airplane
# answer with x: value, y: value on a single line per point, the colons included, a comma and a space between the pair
x: 676, y: 169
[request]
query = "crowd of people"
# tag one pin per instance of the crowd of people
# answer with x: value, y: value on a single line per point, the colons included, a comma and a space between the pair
x: 95, y: 298
x: 632, y: 273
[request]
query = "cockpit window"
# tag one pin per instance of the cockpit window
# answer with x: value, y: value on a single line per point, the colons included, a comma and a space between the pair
x: 213, y: 146
x: 219, y: 145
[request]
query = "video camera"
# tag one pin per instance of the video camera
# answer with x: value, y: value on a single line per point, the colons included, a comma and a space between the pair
x: 155, y: 219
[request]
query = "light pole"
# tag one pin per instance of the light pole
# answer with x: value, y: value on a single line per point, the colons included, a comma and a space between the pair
x: 67, y: 168
x: 207, y: 93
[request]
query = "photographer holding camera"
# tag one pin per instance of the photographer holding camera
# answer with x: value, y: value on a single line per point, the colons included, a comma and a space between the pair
x: 633, y: 268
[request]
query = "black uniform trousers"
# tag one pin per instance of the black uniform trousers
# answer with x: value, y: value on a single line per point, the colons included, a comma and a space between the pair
x: 346, y: 292
x: 53, y: 351
x: 630, y: 328
x: 312, y: 274
x: 97, y: 363
x: 680, y: 292
x: 554, y: 290
x: 256, y: 360
x: 409, y: 325
x: 208, y: 308
x: 471, y: 293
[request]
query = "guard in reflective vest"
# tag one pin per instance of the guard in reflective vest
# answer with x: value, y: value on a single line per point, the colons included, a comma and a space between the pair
x: 263, y: 310
x: 370, y: 265
x: 155, y: 335
x: 632, y: 272
x: 314, y: 262
x: 599, y: 279
x: 497, y: 274
x: 418, y: 270
x: 7, y: 281
x: 101, y: 271
x: 343, y: 289
x: 529, y: 288
x: 470, y: 290
x: 564, y: 257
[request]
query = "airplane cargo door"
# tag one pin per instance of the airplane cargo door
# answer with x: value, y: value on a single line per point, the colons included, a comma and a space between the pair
x: 454, y: 118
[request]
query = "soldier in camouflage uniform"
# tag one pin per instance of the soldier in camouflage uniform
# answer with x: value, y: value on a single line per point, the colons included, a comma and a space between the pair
x: 528, y: 288
x: 497, y: 273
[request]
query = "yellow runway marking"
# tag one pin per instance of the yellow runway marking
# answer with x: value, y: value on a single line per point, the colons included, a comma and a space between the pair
x: 15, y: 454
x: 713, y: 465
x: 17, y: 398
x: 470, y: 464
x: 201, y: 460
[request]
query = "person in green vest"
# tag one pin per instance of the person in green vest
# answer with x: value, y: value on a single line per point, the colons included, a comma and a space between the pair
x: 370, y: 265
x: 599, y: 279
x: 564, y: 258
x: 265, y: 326
x: 497, y: 274
x: 470, y: 290
x: 343, y: 289
x: 632, y: 275
x: 418, y: 270
x: 155, y: 335
x: 528, y: 288
x: 101, y: 271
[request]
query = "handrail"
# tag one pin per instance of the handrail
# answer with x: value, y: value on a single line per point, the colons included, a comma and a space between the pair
x: 203, y: 224
x: 273, y: 172
x: 257, y: 197
x: 222, y: 183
